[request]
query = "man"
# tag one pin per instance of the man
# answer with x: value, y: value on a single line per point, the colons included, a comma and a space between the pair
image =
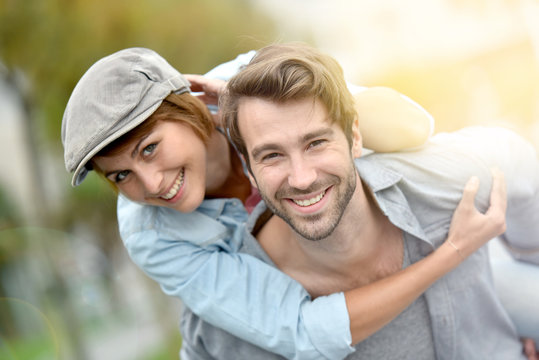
x: 342, y: 223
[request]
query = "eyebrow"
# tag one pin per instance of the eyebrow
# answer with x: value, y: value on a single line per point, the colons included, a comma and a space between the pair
x: 305, y: 138
x: 318, y: 133
x: 135, y: 150
x: 255, y: 153
x: 133, y: 154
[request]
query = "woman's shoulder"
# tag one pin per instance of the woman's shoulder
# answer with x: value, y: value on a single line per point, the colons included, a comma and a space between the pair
x: 135, y: 219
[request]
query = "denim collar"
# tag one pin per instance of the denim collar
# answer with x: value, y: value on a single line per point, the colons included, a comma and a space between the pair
x: 385, y: 184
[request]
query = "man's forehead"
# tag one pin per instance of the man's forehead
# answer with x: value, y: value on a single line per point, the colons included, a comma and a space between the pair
x: 254, y: 111
x: 275, y: 127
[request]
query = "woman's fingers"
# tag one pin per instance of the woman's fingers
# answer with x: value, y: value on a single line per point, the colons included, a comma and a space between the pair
x: 469, y: 192
x: 498, y: 194
x: 210, y: 87
x: 197, y: 81
x: 469, y: 227
x: 498, y: 201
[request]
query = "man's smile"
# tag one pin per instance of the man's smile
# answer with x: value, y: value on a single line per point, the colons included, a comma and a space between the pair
x: 310, y: 201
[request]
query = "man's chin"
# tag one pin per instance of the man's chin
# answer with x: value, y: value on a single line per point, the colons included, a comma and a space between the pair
x: 312, y: 232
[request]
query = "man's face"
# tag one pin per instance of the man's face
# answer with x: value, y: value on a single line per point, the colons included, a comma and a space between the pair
x: 301, y: 162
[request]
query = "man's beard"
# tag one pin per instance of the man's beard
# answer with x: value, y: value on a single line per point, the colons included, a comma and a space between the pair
x: 306, y: 225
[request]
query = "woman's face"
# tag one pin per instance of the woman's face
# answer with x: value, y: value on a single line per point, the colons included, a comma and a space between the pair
x: 166, y: 167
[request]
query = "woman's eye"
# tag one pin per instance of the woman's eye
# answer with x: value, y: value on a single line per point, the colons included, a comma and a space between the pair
x: 121, y: 176
x: 148, y: 149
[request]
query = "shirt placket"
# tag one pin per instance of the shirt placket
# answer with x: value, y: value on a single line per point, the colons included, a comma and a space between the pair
x: 395, y: 206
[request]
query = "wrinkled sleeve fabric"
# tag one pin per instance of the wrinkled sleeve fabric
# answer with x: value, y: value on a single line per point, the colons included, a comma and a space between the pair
x: 517, y: 158
x: 192, y: 256
x: 522, y: 178
x: 228, y: 69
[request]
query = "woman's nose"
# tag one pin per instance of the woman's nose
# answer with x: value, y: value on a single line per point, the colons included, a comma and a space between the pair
x: 151, y: 180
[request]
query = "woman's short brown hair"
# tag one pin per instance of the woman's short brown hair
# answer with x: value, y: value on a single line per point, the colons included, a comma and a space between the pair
x: 184, y: 108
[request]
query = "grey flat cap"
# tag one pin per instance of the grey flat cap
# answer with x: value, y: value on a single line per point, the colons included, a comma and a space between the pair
x: 116, y: 94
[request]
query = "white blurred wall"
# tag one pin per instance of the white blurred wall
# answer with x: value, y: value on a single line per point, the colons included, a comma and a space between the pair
x: 368, y: 36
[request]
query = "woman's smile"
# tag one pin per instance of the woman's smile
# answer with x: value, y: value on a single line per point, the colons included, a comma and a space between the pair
x: 175, y: 188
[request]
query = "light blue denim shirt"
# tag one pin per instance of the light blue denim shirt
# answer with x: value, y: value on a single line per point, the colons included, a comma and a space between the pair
x: 194, y: 256
x: 419, y: 191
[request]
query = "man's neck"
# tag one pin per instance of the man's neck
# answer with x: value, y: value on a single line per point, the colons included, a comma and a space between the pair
x: 363, y: 248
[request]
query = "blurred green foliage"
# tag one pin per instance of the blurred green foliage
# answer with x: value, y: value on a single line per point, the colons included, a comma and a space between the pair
x: 55, y: 41
x: 35, y: 348
x: 8, y: 213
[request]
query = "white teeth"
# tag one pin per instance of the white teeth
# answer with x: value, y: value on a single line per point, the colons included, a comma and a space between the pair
x: 174, y: 190
x: 311, y: 201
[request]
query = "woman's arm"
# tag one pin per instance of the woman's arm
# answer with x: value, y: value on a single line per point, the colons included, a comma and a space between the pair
x: 262, y: 305
x: 194, y: 257
x: 374, y: 305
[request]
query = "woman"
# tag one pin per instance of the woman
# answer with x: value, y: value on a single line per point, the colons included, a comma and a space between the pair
x: 181, y: 212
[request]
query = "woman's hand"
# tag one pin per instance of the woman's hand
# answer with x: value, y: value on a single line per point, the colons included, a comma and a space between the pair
x: 207, y: 90
x: 471, y: 229
x: 210, y: 89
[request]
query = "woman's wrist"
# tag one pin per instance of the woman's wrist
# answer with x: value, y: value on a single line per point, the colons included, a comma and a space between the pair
x: 450, y: 254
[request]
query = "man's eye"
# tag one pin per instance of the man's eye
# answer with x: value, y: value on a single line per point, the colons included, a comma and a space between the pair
x: 148, y: 149
x: 317, y: 143
x: 121, y: 176
x: 270, y: 156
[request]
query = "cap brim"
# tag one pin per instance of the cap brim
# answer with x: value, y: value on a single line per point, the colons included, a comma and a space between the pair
x: 81, y: 171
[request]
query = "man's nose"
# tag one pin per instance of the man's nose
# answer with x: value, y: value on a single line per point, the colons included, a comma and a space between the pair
x: 302, y: 173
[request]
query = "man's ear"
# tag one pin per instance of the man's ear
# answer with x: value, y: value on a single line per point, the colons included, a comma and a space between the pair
x: 357, y: 143
x: 249, y: 173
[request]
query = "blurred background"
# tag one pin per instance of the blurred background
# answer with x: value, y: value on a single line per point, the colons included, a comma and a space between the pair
x: 67, y: 288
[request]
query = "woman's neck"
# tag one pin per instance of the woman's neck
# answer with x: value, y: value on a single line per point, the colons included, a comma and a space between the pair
x: 225, y: 177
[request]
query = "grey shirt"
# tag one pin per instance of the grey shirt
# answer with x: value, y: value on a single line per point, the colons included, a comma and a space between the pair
x: 460, y: 316
x: 408, y: 336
